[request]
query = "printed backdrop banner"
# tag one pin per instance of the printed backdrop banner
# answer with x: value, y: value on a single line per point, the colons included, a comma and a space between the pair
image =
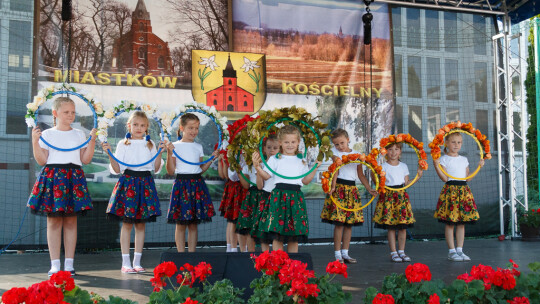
x: 289, y: 52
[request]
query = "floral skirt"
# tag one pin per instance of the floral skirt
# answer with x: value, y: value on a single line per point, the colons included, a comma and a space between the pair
x: 456, y: 204
x: 348, y: 197
x: 190, y: 201
x: 260, y: 213
x: 60, y: 190
x: 233, y: 195
x: 287, y: 218
x: 134, y: 198
x: 249, y: 204
x: 394, y: 211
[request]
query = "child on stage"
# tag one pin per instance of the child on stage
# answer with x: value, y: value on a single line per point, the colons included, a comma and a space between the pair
x: 270, y: 148
x: 456, y: 206
x: 247, y: 208
x: 190, y: 200
x: 344, y: 190
x: 287, y: 219
x: 393, y: 211
x: 134, y: 199
x: 233, y: 194
x: 60, y: 192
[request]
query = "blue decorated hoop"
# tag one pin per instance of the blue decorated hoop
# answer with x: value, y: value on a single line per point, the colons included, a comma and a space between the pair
x: 127, y: 106
x: 45, y: 94
x: 217, y: 119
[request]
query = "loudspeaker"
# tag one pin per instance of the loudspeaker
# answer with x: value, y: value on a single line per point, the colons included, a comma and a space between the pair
x: 66, y: 10
x: 235, y: 266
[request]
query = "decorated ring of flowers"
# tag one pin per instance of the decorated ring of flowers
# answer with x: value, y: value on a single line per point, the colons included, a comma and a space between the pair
x: 47, y: 93
x: 313, y: 130
x: 454, y: 127
x: 211, y: 112
x: 126, y: 106
x: 369, y: 161
x: 237, y: 131
x: 417, y: 146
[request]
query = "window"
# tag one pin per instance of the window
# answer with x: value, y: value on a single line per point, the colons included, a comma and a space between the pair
x: 398, y: 61
x: 480, y: 82
x: 452, y: 114
x: 230, y: 108
x: 415, y: 122
x: 452, y: 82
x: 230, y: 98
x: 450, y: 32
x: 432, y: 30
x: 482, y: 122
x: 20, y: 46
x: 141, y: 38
x: 413, y: 28
x: 21, y: 5
x: 396, y: 25
x: 215, y: 102
x: 414, y: 76
x: 141, y: 26
x: 433, y: 78
x: 245, y: 103
x: 399, y: 118
x: 434, y: 122
x: 230, y: 82
x: 141, y: 53
x: 161, y: 62
x: 479, y: 36
x: 18, y: 94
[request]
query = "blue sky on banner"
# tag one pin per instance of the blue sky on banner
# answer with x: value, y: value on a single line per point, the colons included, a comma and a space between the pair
x: 312, y: 16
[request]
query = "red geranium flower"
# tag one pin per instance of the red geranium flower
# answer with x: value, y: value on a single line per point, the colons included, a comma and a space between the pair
x: 44, y: 292
x: 190, y: 301
x: 64, y: 280
x: 383, y: 299
x: 15, y: 296
x: 417, y: 272
x: 337, y: 268
x: 165, y: 269
x: 516, y: 300
x: 504, y: 279
x: 202, y: 271
x: 434, y: 299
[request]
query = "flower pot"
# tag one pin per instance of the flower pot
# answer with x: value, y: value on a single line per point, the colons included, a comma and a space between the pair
x: 529, y: 234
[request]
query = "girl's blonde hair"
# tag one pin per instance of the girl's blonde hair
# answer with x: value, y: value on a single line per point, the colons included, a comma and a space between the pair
x: 447, y: 137
x: 58, y: 102
x: 139, y: 114
x: 399, y: 145
x: 184, y: 119
x: 288, y: 130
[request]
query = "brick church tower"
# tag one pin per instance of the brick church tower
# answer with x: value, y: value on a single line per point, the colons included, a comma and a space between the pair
x: 140, y: 51
x: 229, y: 96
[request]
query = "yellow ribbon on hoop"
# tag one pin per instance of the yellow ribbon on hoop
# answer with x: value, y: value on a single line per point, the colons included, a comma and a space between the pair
x: 376, y: 185
x: 481, y: 155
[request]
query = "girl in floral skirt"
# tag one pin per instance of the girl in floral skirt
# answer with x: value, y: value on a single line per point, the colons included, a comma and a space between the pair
x: 60, y: 192
x: 393, y: 211
x: 287, y: 219
x: 134, y: 199
x: 233, y: 194
x: 247, y: 207
x: 456, y: 206
x: 344, y: 190
x: 190, y: 200
x: 260, y: 210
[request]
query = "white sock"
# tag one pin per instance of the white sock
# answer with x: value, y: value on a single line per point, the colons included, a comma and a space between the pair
x: 137, y: 259
x: 234, y: 250
x: 55, y: 265
x: 246, y: 249
x: 68, y: 265
x: 393, y: 253
x: 459, y: 249
x: 125, y: 261
x: 337, y: 254
x: 228, y: 248
x: 345, y: 253
x: 400, y: 252
x: 452, y: 251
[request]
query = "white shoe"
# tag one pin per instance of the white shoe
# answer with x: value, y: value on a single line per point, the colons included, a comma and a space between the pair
x: 464, y: 256
x: 455, y: 257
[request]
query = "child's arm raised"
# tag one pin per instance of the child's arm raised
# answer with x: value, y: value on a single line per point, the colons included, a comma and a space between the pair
x: 207, y: 165
x: 220, y: 167
x: 481, y: 164
x: 114, y: 164
x: 436, y: 163
x: 40, y: 154
x: 157, y: 162
x: 243, y: 181
x: 88, y: 152
x: 307, y: 179
x: 364, y: 180
x: 260, y: 171
x: 171, y: 161
x: 257, y: 164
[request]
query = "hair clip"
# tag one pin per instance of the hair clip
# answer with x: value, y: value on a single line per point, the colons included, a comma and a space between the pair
x: 128, y: 135
x: 147, y: 137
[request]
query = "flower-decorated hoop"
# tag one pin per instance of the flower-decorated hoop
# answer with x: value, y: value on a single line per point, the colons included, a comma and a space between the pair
x: 369, y: 161
x: 126, y: 106
x: 466, y: 128
x: 417, y: 146
x: 47, y: 93
x: 235, y: 146
x: 211, y: 112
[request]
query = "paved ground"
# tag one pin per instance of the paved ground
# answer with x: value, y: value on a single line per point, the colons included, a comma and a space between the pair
x: 100, y: 272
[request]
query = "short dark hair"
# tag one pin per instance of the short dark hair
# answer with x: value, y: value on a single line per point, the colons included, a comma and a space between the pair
x: 339, y: 132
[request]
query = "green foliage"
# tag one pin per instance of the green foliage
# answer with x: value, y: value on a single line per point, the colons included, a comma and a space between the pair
x: 267, y: 290
x: 329, y: 292
x: 171, y: 297
x: 531, y: 145
x: 221, y: 292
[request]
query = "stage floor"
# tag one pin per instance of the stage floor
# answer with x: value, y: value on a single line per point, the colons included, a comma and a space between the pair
x: 100, y: 272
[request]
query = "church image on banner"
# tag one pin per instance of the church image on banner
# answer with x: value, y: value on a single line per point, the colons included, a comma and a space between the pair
x: 229, y: 96
x: 140, y: 51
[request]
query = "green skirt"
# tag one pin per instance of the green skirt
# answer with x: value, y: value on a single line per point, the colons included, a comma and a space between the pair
x: 247, y: 208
